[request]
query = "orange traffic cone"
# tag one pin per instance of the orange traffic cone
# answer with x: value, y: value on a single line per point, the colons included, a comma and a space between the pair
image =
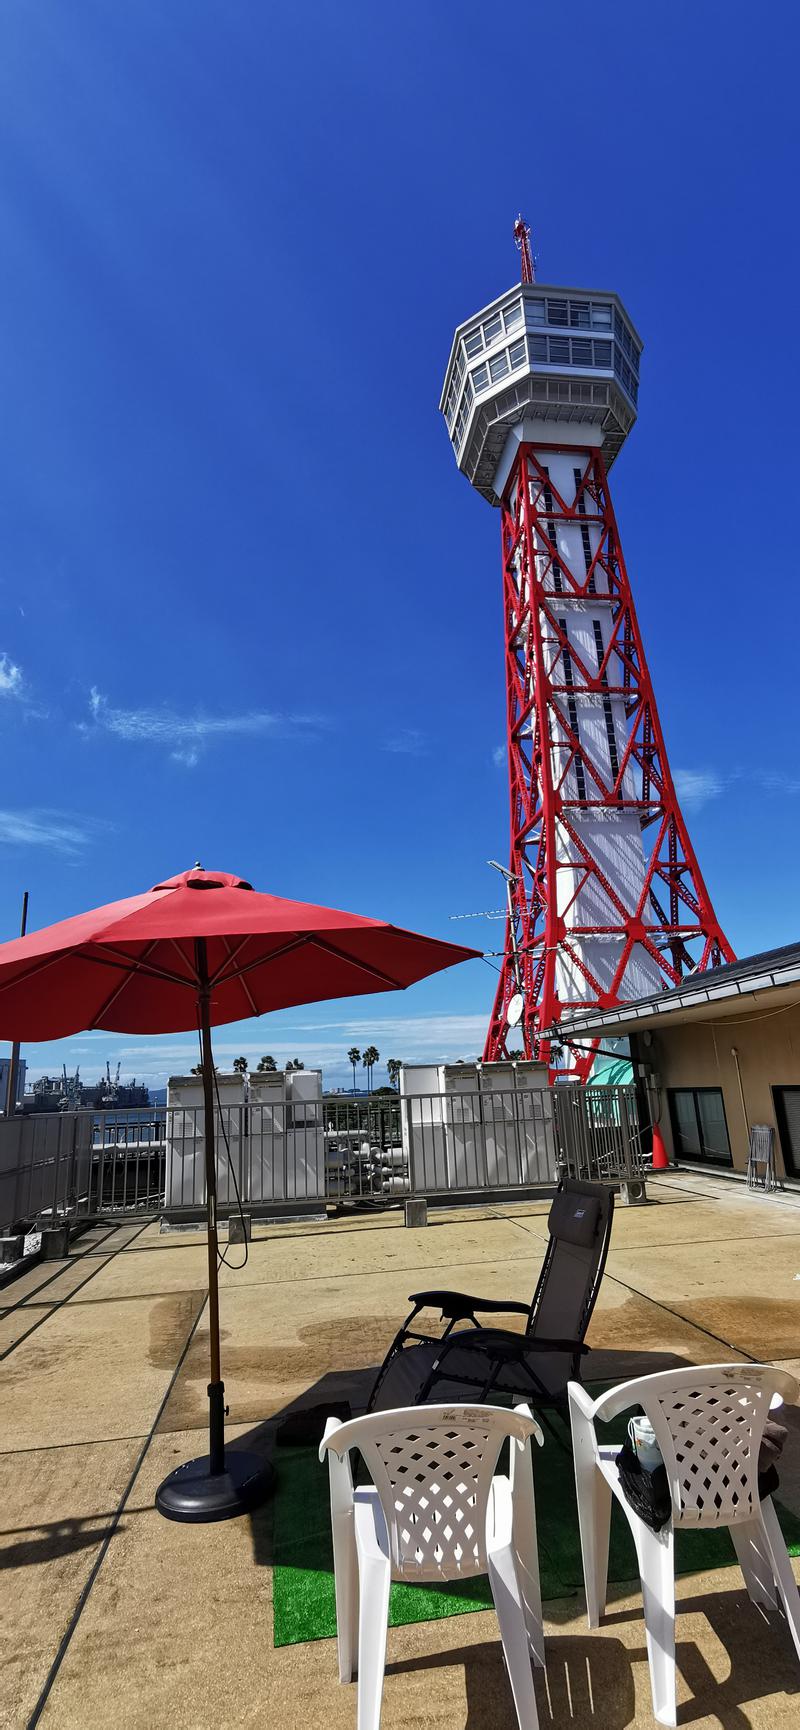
x: 660, y: 1161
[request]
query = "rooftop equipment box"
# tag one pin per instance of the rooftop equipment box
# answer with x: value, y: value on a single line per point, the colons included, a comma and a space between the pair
x: 476, y: 1126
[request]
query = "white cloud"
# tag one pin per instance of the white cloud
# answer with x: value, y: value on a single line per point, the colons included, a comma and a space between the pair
x: 407, y: 743
x: 438, y: 1038
x: 499, y: 756
x: 11, y: 682
x: 777, y: 782
x: 186, y: 736
x: 695, y: 787
x: 53, y: 830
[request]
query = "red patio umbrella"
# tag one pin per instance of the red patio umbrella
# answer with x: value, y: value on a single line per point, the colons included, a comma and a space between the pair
x: 198, y: 950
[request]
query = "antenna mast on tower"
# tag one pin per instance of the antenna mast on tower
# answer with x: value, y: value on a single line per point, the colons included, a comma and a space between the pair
x: 522, y: 237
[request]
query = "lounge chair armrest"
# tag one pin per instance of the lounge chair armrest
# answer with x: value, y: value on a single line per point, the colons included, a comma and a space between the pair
x: 574, y: 1346
x: 455, y: 1304
x: 501, y: 1343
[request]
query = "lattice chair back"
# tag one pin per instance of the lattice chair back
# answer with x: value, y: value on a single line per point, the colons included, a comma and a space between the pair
x: 709, y: 1423
x: 432, y: 1467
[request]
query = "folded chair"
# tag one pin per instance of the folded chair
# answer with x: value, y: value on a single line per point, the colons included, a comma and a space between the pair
x: 467, y: 1360
x: 435, y: 1511
x: 708, y: 1424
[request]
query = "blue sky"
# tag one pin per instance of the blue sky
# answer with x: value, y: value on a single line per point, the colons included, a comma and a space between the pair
x: 250, y: 611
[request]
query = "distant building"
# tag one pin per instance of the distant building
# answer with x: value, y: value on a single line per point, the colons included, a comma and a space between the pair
x: 57, y: 1093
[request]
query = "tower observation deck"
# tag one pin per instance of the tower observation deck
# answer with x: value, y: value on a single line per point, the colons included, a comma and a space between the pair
x: 607, y: 902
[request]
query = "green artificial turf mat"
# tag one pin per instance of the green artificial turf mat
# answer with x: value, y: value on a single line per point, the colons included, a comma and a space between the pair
x: 303, y: 1591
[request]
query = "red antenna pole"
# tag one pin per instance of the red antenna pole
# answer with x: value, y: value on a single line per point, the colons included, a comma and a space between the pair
x: 522, y: 237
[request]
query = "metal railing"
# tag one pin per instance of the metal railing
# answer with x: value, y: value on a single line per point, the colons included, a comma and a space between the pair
x: 598, y: 1133
x: 86, y: 1164
x: 479, y: 1143
x: 63, y: 1165
x: 365, y: 1160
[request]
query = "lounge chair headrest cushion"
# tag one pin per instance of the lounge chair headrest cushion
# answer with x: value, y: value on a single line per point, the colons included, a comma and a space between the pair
x: 574, y: 1218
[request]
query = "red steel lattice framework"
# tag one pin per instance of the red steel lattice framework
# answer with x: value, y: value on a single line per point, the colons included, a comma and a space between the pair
x: 673, y: 921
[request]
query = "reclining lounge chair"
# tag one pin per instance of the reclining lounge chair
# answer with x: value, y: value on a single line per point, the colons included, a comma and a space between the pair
x: 534, y: 1365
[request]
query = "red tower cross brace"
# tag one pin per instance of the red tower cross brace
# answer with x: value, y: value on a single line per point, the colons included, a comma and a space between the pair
x: 673, y: 920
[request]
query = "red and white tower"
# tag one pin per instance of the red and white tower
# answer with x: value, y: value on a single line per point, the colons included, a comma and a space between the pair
x: 606, y: 899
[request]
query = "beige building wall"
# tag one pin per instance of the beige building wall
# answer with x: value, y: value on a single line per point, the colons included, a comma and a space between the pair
x: 698, y: 1054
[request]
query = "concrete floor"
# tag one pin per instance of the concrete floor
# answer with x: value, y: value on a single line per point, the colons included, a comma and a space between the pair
x: 112, y: 1615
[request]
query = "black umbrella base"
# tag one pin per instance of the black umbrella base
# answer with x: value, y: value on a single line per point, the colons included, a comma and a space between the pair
x: 194, y: 1494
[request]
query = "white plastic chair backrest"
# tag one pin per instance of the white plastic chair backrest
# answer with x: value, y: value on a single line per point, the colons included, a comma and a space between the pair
x: 432, y: 1467
x: 708, y: 1423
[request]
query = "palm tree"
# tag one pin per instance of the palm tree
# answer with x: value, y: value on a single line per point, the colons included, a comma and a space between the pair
x: 369, y: 1060
x: 240, y: 1066
x: 295, y: 1063
x: 267, y: 1066
x: 394, y: 1066
x: 354, y: 1057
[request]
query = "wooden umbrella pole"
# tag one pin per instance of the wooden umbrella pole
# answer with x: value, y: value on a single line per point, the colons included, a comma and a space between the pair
x: 216, y: 1387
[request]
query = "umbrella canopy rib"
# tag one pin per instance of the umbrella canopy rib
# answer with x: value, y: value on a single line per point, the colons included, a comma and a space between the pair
x: 251, y: 1002
x: 140, y: 966
x: 223, y: 977
x: 352, y: 961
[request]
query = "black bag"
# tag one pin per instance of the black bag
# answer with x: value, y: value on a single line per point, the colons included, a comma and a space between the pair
x: 648, y: 1492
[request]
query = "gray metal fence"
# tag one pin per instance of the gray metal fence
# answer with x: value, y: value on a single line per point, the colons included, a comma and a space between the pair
x: 479, y: 1143
x: 85, y: 1164
x: 598, y: 1133
x: 72, y: 1164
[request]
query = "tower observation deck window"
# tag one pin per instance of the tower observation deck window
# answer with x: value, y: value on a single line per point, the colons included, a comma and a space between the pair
x: 602, y: 353
x: 498, y: 366
x: 480, y: 377
x: 516, y: 353
x: 625, y: 374
x: 513, y: 316
x: 492, y: 329
x: 559, y: 349
x: 581, y: 351
x: 556, y: 311
x: 534, y: 313
x: 473, y: 343
x: 580, y: 314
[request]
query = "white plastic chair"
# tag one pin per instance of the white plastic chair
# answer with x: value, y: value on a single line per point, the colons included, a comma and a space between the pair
x: 708, y: 1423
x: 435, y: 1511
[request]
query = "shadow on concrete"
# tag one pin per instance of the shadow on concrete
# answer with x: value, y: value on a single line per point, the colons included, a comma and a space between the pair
x: 761, y: 1660
x: 49, y: 1543
x: 587, y: 1681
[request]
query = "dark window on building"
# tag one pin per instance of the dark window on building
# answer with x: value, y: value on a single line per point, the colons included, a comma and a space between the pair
x: 607, y: 709
x: 787, y: 1114
x: 551, y: 531
x: 587, y: 545
x: 572, y: 712
x: 699, y: 1129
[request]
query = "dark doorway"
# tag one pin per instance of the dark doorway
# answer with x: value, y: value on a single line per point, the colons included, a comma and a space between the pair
x: 787, y: 1116
x: 699, y: 1127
